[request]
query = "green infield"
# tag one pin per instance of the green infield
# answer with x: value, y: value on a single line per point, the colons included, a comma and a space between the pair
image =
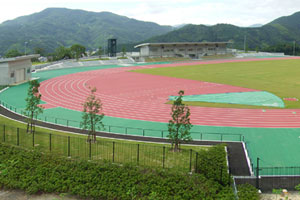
x: 280, y: 77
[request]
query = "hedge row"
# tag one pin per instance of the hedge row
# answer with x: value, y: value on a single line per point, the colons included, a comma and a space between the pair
x: 213, y: 164
x: 36, y: 172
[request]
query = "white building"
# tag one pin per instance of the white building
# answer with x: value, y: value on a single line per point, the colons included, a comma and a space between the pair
x: 182, y: 49
x: 16, y: 70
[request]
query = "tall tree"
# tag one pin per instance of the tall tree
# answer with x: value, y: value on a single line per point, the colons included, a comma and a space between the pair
x: 179, y: 126
x: 39, y: 50
x: 12, y: 53
x: 123, y: 51
x: 92, y: 115
x: 62, y: 53
x: 78, y: 50
x: 32, y: 104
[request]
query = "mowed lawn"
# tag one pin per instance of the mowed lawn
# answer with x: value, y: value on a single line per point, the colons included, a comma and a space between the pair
x: 280, y: 77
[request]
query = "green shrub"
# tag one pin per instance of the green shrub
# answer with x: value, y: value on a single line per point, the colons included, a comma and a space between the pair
x: 213, y: 165
x: 247, y: 192
x: 36, y: 172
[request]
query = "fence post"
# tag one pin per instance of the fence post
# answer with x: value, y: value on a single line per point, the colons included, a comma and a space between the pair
x: 69, y: 153
x: 196, y: 165
x: 109, y: 128
x: 143, y: 132
x: 257, y: 173
x: 32, y: 139
x: 18, y: 131
x: 3, y: 133
x: 138, y: 153
x: 67, y: 123
x: 221, y: 137
x: 125, y: 130
x: 55, y: 120
x: 90, y: 149
x: 191, y: 154
x: 113, y: 158
x: 50, y: 142
x: 164, y: 154
x: 162, y: 134
x: 201, y: 136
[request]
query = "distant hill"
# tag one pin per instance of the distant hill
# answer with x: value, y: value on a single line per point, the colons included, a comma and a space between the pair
x: 60, y: 26
x: 281, y: 30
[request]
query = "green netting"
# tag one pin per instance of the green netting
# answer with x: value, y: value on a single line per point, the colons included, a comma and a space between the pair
x: 260, y: 98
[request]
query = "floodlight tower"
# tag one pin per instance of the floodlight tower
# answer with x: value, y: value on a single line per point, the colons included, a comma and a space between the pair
x: 112, y: 47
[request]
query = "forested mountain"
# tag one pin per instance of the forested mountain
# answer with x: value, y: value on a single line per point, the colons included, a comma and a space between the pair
x: 53, y: 27
x: 281, y: 30
x: 60, y: 26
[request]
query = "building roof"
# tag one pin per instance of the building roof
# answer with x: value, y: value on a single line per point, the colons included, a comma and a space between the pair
x: 178, y: 43
x: 27, y: 57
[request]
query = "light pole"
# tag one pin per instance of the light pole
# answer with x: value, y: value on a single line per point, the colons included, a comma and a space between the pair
x: 25, y: 47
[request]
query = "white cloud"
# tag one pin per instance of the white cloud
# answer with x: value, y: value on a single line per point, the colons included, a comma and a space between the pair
x: 167, y: 12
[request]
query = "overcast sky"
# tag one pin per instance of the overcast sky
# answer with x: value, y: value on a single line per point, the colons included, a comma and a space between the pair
x: 166, y: 12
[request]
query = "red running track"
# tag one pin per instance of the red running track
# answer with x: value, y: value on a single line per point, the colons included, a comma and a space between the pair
x: 142, y: 97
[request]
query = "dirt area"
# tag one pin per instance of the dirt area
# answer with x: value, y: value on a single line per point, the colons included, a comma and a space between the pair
x: 288, y: 196
x: 21, y: 195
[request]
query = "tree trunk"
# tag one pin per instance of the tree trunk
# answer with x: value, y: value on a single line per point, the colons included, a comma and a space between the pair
x: 94, y: 137
x: 176, y: 147
x: 31, y: 122
x: 89, y: 137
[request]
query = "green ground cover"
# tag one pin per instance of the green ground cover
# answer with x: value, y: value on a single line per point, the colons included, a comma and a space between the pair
x: 35, y: 172
x: 280, y: 77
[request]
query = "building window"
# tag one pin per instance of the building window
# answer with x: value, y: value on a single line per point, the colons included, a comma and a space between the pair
x: 12, y: 74
x: 181, y: 49
x: 199, y: 49
x: 211, y: 49
x: 190, y: 49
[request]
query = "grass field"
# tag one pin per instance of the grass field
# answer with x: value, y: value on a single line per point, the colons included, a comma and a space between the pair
x: 76, y: 147
x: 280, y: 77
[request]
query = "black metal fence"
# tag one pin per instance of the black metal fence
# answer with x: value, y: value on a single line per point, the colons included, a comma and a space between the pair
x: 272, y: 178
x: 102, y: 150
